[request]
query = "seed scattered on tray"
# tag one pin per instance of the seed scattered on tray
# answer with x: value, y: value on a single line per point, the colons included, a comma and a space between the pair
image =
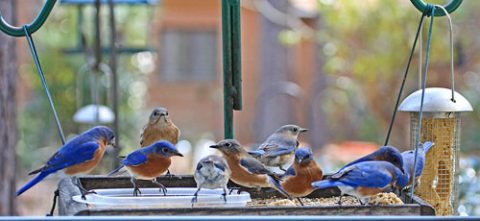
x: 331, y: 201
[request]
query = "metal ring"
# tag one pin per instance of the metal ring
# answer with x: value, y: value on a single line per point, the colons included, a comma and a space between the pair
x: 451, y: 6
x: 32, y: 27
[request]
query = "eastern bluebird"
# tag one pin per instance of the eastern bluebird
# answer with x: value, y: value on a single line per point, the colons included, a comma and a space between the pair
x: 246, y: 170
x: 78, y: 156
x: 297, y: 181
x: 365, y: 179
x: 159, y: 127
x: 409, y: 157
x: 280, y: 147
x: 212, y: 172
x: 384, y: 153
x: 148, y: 163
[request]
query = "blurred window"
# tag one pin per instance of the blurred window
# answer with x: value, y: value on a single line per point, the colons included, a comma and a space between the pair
x: 188, y: 55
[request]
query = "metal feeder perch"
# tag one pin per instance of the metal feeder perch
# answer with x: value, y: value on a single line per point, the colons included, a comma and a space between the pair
x: 441, y: 124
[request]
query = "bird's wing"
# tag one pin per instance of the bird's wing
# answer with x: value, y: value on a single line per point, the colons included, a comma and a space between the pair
x: 136, y: 158
x: 72, y: 154
x: 141, y: 135
x: 427, y: 146
x: 290, y: 172
x: 254, y: 166
x: 256, y: 153
x: 367, y: 176
x: 279, y: 151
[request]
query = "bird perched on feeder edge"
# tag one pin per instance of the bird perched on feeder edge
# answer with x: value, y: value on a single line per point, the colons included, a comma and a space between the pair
x: 246, y: 170
x: 297, y: 181
x: 279, y: 148
x: 384, y: 153
x: 365, y: 179
x: 148, y: 163
x: 159, y: 127
x: 212, y: 172
x: 78, y: 156
x: 408, y: 160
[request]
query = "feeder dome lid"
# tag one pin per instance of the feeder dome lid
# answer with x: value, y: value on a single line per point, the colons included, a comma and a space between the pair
x: 436, y: 100
x: 88, y: 114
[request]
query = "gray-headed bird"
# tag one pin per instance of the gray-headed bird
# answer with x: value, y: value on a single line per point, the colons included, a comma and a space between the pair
x: 279, y: 148
x: 159, y: 127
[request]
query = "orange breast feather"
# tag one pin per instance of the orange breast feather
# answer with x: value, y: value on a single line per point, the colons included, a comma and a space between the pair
x: 153, y: 133
x: 155, y: 166
x: 88, y: 166
x: 300, y: 185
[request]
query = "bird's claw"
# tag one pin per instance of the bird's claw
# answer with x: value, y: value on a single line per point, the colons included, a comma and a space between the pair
x: 224, y: 197
x: 170, y: 175
x: 136, y: 191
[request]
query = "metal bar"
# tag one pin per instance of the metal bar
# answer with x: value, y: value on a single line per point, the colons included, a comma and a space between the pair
x: 98, y: 39
x: 451, y: 6
x: 32, y: 27
x: 113, y: 67
x: 250, y: 218
x: 44, y: 81
x: 236, y: 35
x: 227, y: 69
x: 107, y: 50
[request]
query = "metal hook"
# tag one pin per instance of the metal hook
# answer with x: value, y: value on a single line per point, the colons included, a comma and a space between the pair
x: 449, y: 7
x: 32, y: 27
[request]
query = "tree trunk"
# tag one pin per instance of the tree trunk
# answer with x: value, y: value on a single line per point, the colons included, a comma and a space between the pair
x: 8, y: 114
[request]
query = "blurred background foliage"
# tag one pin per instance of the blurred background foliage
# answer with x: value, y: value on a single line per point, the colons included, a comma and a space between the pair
x: 365, y: 46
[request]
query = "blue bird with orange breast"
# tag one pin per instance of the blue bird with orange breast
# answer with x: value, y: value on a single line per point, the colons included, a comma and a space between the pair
x: 279, y: 148
x: 212, y: 172
x: 246, y: 170
x: 297, y: 181
x: 365, y: 179
x: 148, y: 163
x: 408, y: 161
x: 78, y: 156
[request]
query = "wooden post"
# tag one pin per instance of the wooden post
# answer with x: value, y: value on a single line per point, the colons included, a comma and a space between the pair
x: 8, y: 113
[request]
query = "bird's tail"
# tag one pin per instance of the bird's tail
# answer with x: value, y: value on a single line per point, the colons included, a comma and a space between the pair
x: 32, y: 182
x: 323, y: 184
x: 277, y: 186
x: 427, y: 146
x: 113, y: 172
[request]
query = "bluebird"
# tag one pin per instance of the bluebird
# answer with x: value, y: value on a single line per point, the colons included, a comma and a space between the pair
x: 78, y: 156
x: 384, y: 153
x: 159, y: 127
x: 212, y: 172
x: 246, y: 170
x: 365, y: 179
x: 408, y: 160
x: 300, y: 175
x: 279, y: 148
x: 148, y: 163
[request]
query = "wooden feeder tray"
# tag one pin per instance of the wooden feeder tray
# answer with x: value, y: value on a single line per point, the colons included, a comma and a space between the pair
x: 67, y: 206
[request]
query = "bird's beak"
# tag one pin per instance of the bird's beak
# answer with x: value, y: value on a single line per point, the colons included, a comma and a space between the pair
x: 403, y: 171
x: 215, y: 146
x: 178, y: 154
x: 113, y: 143
x: 303, y: 130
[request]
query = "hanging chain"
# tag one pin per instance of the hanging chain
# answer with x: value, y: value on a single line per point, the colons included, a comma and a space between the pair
x: 44, y: 82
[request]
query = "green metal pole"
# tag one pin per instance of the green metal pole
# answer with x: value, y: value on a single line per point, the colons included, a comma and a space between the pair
x: 232, y: 72
x: 227, y: 70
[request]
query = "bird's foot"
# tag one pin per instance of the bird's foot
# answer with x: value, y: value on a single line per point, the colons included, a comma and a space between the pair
x: 86, y: 192
x: 339, y: 200
x: 238, y: 189
x: 136, y: 191
x: 161, y: 186
x: 300, y: 201
x: 281, y: 168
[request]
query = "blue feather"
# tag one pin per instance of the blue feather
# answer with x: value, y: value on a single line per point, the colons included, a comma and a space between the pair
x: 32, y: 182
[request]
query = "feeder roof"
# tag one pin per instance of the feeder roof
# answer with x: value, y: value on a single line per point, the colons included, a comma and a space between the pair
x: 88, y: 115
x: 436, y: 100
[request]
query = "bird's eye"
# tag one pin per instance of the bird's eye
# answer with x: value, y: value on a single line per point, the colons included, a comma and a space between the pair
x: 155, y: 113
x: 165, y: 150
x: 166, y: 113
x: 295, y: 129
x: 228, y: 144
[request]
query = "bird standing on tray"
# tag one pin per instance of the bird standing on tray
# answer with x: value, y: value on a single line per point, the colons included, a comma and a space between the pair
x: 159, y: 127
x: 297, y: 181
x: 246, y: 170
x: 148, y: 163
x: 365, y: 179
x: 212, y: 172
x: 409, y: 157
x: 78, y: 156
x: 279, y: 148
